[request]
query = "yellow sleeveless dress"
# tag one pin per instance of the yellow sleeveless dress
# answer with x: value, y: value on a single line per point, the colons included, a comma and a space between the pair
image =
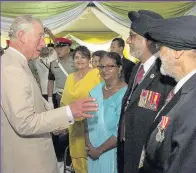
x: 73, y: 91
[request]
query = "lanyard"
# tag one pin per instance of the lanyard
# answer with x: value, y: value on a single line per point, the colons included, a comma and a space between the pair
x: 44, y: 63
x: 61, y: 67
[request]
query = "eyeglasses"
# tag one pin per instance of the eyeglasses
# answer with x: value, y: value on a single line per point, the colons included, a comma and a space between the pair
x: 107, y: 67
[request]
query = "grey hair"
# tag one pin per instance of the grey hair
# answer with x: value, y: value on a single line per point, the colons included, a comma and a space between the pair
x: 24, y: 23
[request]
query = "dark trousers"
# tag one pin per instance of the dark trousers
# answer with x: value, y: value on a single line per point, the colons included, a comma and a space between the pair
x: 141, y: 170
x: 61, y: 141
x: 58, y: 99
x: 120, y: 157
x: 53, y: 99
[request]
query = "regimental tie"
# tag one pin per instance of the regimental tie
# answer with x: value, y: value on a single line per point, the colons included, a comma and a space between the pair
x: 139, y: 76
x: 168, y: 99
x: 169, y: 96
x: 138, y: 80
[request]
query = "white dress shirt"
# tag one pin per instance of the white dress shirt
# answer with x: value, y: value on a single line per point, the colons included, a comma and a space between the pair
x: 183, y: 81
x: 68, y: 110
x: 148, y: 64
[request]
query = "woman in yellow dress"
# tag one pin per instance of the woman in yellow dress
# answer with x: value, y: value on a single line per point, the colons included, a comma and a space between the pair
x: 78, y: 85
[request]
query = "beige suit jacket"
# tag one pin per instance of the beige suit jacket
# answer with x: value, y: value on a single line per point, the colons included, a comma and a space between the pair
x: 25, y: 122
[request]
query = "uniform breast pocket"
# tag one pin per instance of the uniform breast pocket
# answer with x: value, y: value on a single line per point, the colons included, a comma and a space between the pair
x: 56, y: 70
x: 149, y: 100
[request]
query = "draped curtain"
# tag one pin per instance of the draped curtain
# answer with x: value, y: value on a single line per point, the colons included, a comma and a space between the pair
x: 47, y: 11
x: 55, y: 15
x: 118, y: 11
x: 41, y: 9
x: 93, y: 46
x: 58, y: 15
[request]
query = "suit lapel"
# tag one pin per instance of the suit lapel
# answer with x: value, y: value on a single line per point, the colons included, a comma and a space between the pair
x: 131, y: 82
x: 28, y: 70
x: 163, y: 112
x: 189, y: 85
x: 167, y: 108
x: 149, y: 78
x: 25, y: 66
x: 21, y: 60
x: 171, y: 104
x: 184, y: 90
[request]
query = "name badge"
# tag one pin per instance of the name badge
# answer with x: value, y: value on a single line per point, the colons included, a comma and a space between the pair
x: 149, y: 100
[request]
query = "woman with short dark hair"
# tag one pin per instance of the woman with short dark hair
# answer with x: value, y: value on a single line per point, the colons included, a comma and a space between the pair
x: 96, y: 57
x: 78, y: 85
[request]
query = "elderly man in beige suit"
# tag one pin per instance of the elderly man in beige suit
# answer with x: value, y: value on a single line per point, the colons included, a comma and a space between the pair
x: 25, y: 120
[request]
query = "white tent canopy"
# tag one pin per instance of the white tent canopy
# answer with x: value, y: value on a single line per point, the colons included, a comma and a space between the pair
x: 72, y: 19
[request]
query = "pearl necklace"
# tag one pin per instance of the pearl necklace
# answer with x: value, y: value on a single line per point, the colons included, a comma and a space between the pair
x: 108, y: 88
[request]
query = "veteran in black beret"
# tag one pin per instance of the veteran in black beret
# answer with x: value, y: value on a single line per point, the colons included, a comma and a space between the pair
x: 171, y: 143
x: 146, y: 94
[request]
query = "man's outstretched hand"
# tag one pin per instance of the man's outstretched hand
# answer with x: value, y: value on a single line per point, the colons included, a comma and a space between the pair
x: 80, y: 108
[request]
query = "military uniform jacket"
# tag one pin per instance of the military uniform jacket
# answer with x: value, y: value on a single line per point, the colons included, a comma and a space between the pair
x: 140, y: 113
x: 55, y: 72
x: 176, y: 152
